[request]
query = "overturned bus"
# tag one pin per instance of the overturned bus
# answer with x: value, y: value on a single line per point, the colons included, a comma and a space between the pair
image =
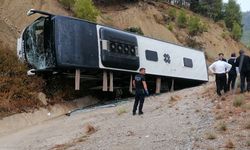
x: 55, y: 43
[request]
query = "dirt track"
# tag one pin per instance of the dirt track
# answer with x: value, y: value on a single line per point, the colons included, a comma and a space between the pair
x: 171, y: 121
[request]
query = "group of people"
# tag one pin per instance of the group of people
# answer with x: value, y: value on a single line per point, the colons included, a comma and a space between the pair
x: 232, y: 67
x: 220, y: 68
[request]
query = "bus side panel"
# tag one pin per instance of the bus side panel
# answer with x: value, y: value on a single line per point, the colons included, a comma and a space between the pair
x: 75, y: 43
x: 172, y: 60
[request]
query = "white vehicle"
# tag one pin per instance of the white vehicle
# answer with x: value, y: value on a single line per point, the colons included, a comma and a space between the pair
x: 54, y: 43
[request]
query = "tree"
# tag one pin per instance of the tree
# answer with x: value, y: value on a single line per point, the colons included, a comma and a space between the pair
x: 208, y: 8
x: 236, y: 31
x: 194, y: 4
x: 216, y: 10
x: 182, y: 20
x: 232, y: 14
x: 85, y: 9
x: 196, y: 26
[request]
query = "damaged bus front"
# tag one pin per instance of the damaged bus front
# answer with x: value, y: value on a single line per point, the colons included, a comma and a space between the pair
x: 35, y: 46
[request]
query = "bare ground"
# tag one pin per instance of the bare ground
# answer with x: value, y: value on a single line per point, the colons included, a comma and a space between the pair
x: 171, y: 121
x: 186, y: 119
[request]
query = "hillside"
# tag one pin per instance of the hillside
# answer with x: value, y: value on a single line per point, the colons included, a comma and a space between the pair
x: 151, y: 17
x: 13, y: 17
x: 246, y: 30
x: 32, y: 109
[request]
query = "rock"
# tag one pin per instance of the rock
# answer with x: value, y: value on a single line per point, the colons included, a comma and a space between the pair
x: 42, y: 98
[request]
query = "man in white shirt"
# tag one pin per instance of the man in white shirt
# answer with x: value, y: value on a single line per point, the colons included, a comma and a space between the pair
x: 220, y: 68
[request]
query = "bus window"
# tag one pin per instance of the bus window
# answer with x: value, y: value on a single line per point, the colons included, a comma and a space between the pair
x: 37, y: 45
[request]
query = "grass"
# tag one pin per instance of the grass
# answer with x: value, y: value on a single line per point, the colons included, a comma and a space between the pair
x: 239, y: 100
x: 248, y: 143
x: 229, y: 144
x: 121, y: 111
x: 170, y: 26
x: 222, y: 126
x: 210, y: 136
x: 246, y: 106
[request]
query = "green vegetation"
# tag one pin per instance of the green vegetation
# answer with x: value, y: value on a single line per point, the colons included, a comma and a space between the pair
x: 172, y: 14
x: 239, y: 100
x: 236, y: 32
x: 248, y: 143
x: 136, y: 30
x: 210, y: 136
x: 170, y: 26
x: 83, y: 9
x: 222, y: 126
x: 232, y: 14
x: 182, y: 20
x: 195, y: 26
x: 224, y: 35
x: 208, y: 8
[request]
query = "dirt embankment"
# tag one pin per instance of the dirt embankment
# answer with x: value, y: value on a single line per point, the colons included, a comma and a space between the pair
x: 13, y: 17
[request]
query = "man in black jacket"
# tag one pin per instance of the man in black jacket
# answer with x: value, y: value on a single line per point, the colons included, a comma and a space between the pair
x: 232, y: 74
x: 141, y: 90
x: 244, y: 68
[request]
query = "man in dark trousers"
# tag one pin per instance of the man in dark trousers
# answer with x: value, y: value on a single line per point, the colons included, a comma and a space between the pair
x: 220, y: 68
x: 224, y: 86
x: 232, y: 74
x: 244, y: 68
x: 140, y: 90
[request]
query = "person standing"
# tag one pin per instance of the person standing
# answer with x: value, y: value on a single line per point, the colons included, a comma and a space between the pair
x: 221, y: 57
x: 141, y: 90
x: 232, y: 74
x: 220, y: 68
x: 242, y: 62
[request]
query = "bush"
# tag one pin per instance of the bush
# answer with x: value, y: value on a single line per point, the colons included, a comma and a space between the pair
x: 224, y: 35
x: 136, y: 30
x: 236, y: 31
x: 172, y: 14
x: 222, y: 126
x: 85, y: 9
x: 210, y: 136
x: 170, y: 27
x: 182, y: 20
x: 238, y: 101
x: 196, y: 27
x: 222, y: 24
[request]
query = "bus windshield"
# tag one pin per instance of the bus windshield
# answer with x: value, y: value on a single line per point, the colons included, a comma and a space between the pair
x: 37, y: 45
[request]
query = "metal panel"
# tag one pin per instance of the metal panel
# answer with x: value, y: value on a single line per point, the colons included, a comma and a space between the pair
x: 75, y: 43
x: 118, y: 49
